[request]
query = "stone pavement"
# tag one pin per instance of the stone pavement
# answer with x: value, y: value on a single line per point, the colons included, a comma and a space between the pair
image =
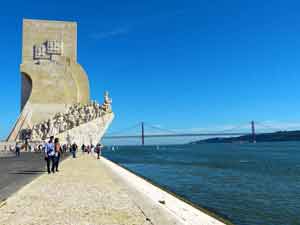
x: 19, y: 171
x: 83, y: 192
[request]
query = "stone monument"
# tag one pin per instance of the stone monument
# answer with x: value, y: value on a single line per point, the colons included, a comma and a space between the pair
x: 55, y: 88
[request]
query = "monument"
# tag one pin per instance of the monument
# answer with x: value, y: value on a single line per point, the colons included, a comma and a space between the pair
x: 55, y: 97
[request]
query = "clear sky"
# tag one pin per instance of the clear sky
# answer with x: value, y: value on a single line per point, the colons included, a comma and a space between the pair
x: 177, y: 64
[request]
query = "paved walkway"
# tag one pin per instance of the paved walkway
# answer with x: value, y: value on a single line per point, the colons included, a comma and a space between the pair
x: 83, y: 192
x: 15, y: 172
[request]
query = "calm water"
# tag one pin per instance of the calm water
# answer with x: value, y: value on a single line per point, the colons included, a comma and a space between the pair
x: 246, y: 183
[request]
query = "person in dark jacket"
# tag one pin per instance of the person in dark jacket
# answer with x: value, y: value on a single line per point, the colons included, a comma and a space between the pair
x: 58, y: 151
x: 98, y: 150
x: 74, y: 149
x: 18, y: 149
x: 83, y: 148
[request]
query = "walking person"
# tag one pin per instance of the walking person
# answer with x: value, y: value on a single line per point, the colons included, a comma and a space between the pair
x: 18, y: 149
x: 92, y: 148
x: 83, y: 148
x: 64, y: 148
x: 74, y: 149
x: 58, y: 151
x: 50, y: 155
x: 98, y: 150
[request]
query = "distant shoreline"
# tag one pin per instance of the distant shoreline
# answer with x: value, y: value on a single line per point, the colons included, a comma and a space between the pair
x: 280, y: 136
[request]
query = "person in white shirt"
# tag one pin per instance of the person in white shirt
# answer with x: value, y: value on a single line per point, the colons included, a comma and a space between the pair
x: 50, y: 155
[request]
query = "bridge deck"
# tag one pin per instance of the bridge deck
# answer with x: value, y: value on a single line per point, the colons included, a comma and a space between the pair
x: 175, y: 135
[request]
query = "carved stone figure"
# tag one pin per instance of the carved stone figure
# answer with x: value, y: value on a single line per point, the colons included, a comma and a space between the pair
x: 44, y: 129
x: 51, y: 128
x: 40, y: 52
x: 36, y: 132
x: 106, y: 106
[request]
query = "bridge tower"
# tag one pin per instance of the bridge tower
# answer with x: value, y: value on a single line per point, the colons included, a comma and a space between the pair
x: 253, y: 131
x: 143, y: 134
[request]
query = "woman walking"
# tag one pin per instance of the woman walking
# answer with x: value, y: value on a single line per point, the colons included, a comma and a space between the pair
x: 58, y: 151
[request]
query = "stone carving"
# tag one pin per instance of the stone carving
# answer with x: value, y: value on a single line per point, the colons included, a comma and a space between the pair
x: 74, y: 116
x: 106, y: 106
x: 54, y: 47
x: 47, y: 49
x: 40, y: 52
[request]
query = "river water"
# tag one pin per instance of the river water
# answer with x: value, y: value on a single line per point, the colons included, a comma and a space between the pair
x: 257, y: 184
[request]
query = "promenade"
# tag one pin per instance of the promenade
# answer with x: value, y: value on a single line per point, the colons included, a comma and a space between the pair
x: 15, y: 172
x: 85, y: 191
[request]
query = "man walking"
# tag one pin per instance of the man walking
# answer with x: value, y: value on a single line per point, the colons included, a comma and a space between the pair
x: 18, y: 149
x: 74, y: 149
x: 50, y: 155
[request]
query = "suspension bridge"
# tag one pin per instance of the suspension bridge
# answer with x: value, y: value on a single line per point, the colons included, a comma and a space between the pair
x: 167, y: 133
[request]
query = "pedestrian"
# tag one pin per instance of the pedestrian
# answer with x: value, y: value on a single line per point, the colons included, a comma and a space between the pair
x: 40, y: 148
x: 18, y: 149
x: 58, y: 151
x: 92, y: 148
x: 98, y: 150
x: 64, y: 148
x: 82, y: 148
x: 50, y: 155
x: 74, y: 149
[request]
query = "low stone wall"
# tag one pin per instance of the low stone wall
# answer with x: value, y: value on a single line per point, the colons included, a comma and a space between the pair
x: 183, y: 211
x: 7, y: 146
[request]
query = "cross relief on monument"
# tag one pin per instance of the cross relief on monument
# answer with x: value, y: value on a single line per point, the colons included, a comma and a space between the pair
x: 47, y: 49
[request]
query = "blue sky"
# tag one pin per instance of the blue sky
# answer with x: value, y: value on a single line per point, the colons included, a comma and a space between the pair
x: 183, y: 65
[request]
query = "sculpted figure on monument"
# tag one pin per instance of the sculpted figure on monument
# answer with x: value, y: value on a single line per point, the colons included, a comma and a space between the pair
x: 51, y: 128
x: 71, y: 121
x: 44, y: 129
x: 106, y: 106
x: 65, y: 125
x: 60, y: 122
x: 55, y: 129
x: 36, y: 134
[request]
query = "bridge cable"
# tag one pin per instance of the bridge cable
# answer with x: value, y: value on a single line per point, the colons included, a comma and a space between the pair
x: 161, y: 129
x: 123, y: 130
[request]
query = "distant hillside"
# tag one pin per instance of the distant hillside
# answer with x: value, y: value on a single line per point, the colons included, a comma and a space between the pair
x: 265, y: 137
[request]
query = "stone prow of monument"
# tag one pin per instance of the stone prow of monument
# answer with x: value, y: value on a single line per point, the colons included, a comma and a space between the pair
x: 52, y: 79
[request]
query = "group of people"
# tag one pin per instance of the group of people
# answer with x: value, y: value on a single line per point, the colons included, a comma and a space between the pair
x: 92, y: 149
x: 53, y: 151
